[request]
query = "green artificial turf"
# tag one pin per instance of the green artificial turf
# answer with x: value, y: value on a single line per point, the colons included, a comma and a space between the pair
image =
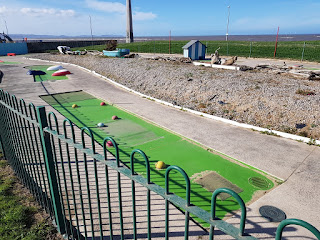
x: 5, y: 62
x: 131, y: 132
x: 48, y: 75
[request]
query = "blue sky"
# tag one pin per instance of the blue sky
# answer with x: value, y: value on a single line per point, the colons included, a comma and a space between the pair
x: 157, y: 18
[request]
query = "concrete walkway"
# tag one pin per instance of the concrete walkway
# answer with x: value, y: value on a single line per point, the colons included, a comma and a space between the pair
x: 298, y: 164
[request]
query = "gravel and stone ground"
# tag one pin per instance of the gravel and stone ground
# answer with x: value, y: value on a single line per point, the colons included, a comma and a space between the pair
x: 258, y: 97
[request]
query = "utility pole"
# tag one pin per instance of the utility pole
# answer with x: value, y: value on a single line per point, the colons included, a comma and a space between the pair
x: 228, y: 23
x: 91, y: 31
x: 129, y: 38
x: 5, y: 23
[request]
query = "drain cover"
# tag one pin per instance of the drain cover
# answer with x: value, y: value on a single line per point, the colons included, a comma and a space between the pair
x: 273, y: 214
x: 260, y: 183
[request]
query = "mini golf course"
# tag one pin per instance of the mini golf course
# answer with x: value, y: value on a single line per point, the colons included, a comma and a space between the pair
x: 206, y: 169
x: 48, y: 76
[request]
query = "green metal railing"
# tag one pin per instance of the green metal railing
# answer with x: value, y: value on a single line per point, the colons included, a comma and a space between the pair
x: 87, y: 194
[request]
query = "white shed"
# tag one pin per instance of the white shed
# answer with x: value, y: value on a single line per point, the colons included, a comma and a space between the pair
x: 194, y: 50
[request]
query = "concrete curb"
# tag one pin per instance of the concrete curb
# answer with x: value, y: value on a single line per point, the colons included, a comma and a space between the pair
x: 234, y: 123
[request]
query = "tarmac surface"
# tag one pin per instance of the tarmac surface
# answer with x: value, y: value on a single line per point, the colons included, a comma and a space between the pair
x: 296, y: 163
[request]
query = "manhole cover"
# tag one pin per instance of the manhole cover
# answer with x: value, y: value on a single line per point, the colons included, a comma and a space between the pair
x: 260, y: 183
x: 273, y: 214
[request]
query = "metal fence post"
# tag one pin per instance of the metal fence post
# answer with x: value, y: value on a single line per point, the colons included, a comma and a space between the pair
x: 50, y: 166
x: 227, y: 48
x: 206, y: 48
x: 1, y: 148
x: 298, y: 222
x: 304, y: 47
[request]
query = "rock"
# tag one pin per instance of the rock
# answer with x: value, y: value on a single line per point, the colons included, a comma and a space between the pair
x: 314, y: 76
x: 185, y: 60
x: 230, y: 61
x: 111, y: 45
x: 215, y: 58
x: 245, y: 68
x: 130, y: 55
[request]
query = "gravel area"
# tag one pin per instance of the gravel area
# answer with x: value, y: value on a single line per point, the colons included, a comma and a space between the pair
x: 258, y: 97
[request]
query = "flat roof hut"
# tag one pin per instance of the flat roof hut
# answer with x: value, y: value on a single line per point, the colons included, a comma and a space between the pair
x: 194, y: 50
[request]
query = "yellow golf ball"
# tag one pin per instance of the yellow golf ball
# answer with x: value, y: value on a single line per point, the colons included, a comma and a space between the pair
x: 160, y: 165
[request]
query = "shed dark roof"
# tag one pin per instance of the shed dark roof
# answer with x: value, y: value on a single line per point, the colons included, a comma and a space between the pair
x: 189, y: 44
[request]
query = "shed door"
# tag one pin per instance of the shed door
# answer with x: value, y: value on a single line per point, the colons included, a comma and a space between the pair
x: 186, y: 53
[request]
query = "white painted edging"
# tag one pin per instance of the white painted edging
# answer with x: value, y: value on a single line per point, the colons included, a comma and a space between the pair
x: 216, y: 66
x: 234, y: 123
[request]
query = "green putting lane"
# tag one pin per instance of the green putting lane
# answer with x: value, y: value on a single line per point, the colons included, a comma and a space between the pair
x: 200, y: 164
x: 48, y: 75
x: 5, y: 62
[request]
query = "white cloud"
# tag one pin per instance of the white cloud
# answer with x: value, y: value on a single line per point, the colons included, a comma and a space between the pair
x: 140, y: 16
x: 111, y: 7
x: 111, y: 20
x: 116, y: 7
x: 3, y: 9
x: 47, y: 11
x: 36, y: 12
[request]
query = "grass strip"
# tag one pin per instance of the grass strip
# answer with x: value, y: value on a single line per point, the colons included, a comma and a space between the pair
x: 294, y: 50
x: 20, y: 216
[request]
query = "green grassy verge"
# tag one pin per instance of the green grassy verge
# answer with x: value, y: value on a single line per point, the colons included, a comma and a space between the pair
x: 20, y: 217
x: 286, y: 50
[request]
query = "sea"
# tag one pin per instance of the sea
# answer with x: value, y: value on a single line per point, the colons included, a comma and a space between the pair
x: 251, y: 38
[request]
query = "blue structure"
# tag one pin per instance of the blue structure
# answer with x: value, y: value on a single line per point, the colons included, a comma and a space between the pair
x: 17, y: 48
x: 194, y: 50
x: 116, y: 53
